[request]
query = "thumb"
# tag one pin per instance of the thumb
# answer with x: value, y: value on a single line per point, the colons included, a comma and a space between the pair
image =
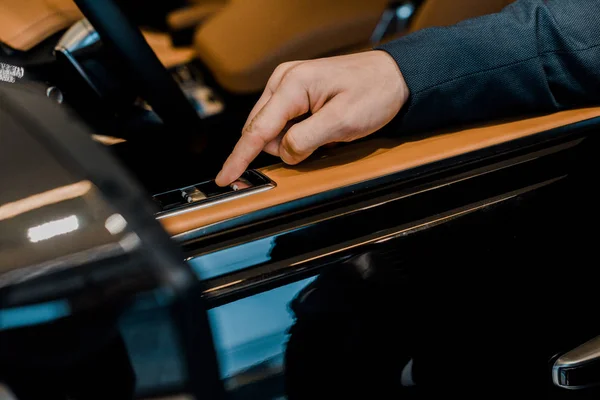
x: 323, y: 127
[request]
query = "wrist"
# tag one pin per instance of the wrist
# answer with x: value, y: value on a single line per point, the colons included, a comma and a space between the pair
x: 392, y: 70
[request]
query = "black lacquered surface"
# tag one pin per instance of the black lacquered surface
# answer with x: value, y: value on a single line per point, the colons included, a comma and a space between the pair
x: 60, y: 307
x: 479, y: 276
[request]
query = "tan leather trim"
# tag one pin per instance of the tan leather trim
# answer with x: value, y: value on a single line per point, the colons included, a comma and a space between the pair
x: 371, y: 159
x: 25, y: 23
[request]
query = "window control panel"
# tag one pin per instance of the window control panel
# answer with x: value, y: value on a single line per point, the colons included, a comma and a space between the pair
x: 208, y: 193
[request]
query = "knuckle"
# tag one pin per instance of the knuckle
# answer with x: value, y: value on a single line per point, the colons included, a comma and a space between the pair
x: 289, y: 159
x: 294, y: 73
x: 278, y: 74
x: 284, y: 66
x: 283, y: 69
x: 293, y: 145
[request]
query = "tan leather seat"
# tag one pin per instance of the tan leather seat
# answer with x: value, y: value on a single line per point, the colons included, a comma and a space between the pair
x: 449, y: 12
x: 25, y: 23
x: 244, y: 41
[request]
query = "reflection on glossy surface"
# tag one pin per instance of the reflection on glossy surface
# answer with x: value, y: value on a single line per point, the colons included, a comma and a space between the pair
x: 34, y: 314
x: 53, y: 196
x: 51, y: 229
x: 74, y: 258
x: 464, y: 301
x: 6, y: 393
x: 51, y: 217
x: 79, y: 36
x: 466, y: 306
x: 233, y: 259
x: 58, y: 229
x: 252, y: 330
x: 397, y: 211
x: 115, y: 224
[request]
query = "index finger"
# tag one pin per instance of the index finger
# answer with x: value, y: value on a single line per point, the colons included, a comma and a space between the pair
x: 245, y: 150
x: 271, y: 87
x: 287, y: 103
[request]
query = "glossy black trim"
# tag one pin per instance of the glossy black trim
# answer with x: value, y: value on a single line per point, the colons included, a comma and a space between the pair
x: 376, y: 198
x: 69, y: 140
x: 198, y: 239
x: 394, y: 216
x: 472, y: 182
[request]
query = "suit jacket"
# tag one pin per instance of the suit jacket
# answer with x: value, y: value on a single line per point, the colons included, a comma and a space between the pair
x: 534, y: 56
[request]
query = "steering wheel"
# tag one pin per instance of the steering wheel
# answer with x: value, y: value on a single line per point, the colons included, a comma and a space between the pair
x: 153, y: 80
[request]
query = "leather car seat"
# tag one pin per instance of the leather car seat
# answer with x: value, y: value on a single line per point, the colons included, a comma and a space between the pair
x: 245, y: 40
x: 242, y: 41
x: 25, y: 23
x: 450, y: 12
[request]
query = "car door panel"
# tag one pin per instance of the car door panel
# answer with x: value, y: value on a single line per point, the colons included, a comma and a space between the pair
x: 476, y: 259
x: 368, y: 160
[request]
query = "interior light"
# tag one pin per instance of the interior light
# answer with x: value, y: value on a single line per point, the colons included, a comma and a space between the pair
x: 405, y: 11
x: 52, y: 229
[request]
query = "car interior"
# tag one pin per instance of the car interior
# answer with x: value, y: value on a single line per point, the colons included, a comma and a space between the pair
x: 165, y: 87
x: 220, y: 70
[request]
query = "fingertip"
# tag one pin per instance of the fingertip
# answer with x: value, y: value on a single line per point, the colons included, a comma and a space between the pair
x: 222, y: 178
x: 219, y: 180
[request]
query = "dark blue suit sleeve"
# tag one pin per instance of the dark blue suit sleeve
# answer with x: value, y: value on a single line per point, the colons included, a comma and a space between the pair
x: 534, y: 56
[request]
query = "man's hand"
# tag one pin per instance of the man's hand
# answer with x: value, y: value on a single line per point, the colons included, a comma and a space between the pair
x: 344, y: 98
